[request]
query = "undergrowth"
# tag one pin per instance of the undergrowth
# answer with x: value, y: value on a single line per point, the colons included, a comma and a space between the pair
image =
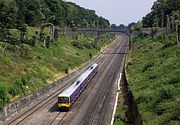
x: 24, y: 69
x: 154, y: 76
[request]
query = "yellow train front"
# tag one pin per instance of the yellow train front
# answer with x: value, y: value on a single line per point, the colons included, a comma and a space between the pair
x: 64, y: 102
x: 69, y: 95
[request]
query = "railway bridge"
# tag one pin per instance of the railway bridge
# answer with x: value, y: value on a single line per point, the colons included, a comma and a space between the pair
x: 94, y: 32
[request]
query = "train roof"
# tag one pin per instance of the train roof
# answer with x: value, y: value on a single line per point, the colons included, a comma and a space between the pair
x: 75, y: 84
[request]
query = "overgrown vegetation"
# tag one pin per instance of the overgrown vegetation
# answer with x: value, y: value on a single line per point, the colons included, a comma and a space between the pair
x: 153, y: 74
x: 42, y: 14
x: 24, y: 69
x: 32, y: 50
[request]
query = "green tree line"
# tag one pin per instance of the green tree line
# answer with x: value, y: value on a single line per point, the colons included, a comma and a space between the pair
x: 164, y: 14
x: 34, y: 12
x: 16, y: 14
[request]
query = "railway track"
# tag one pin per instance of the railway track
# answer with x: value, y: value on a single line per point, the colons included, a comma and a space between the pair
x: 59, y: 119
x: 90, y: 87
x: 43, y: 104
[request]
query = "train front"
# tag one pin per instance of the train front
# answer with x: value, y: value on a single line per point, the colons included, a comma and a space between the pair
x: 64, y: 103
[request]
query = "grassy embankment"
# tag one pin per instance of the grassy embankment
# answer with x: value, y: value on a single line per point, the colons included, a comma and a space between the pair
x: 25, y: 69
x: 154, y: 76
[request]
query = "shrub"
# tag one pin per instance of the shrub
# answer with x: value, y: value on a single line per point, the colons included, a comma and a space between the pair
x: 66, y: 70
x: 87, y: 45
x: 168, y: 44
x: 4, y: 98
x: 48, y: 40
x: 94, y: 44
x: 34, y: 41
x: 165, y: 92
x: 90, y: 55
x: 56, y: 34
x: 148, y: 66
x: 19, y: 87
x: 77, y: 44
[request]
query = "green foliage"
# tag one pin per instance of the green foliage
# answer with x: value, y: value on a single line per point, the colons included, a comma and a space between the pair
x: 48, y: 40
x: 90, y: 55
x: 56, y: 34
x: 159, y: 9
x: 19, y: 15
x: 139, y: 26
x: 165, y: 92
x: 20, y: 86
x: 66, y: 70
x: 88, y: 45
x: 4, y: 97
x: 77, y: 44
x: 153, y: 74
x: 26, y: 70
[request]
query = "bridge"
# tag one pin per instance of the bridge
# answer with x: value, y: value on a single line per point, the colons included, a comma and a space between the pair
x: 98, y: 32
x: 94, y: 32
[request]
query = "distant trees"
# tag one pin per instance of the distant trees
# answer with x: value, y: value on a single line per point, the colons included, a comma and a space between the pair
x: 139, y: 26
x: 113, y: 26
x: 16, y: 14
x: 161, y: 9
x: 165, y: 13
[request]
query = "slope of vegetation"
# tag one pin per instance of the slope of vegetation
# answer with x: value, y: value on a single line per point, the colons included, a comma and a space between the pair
x: 32, y: 50
x: 24, y: 68
x: 153, y: 73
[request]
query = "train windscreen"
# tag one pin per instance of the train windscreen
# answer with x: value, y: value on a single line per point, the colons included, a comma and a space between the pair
x: 63, y: 100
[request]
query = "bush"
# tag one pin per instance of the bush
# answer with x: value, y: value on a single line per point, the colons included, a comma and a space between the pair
x: 4, y: 98
x: 94, y: 44
x: 48, y: 40
x: 148, y: 66
x: 56, y: 34
x: 165, y: 92
x: 90, y: 55
x: 19, y: 87
x: 87, y: 45
x: 66, y: 70
x: 77, y: 44
x: 168, y: 44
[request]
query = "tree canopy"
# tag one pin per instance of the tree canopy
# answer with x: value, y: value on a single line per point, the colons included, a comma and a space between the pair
x: 160, y: 10
x: 34, y: 12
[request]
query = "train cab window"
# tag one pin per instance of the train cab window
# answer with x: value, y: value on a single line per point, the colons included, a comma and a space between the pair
x: 63, y: 100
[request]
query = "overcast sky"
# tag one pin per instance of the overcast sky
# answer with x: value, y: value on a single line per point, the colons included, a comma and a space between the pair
x: 118, y: 11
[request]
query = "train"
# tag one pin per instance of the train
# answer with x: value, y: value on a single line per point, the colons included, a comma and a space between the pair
x: 67, y: 97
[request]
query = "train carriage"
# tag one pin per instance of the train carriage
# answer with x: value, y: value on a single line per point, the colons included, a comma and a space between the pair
x: 69, y: 95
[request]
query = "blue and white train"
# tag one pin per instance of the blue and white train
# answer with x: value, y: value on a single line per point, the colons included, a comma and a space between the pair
x: 69, y: 95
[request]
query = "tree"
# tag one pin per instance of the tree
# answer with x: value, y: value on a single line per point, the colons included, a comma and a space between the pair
x: 168, y: 24
x: 139, y: 26
x: 132, y: 29
x: 122, y: 26
x: 160, y: 9
x: 113, y: 26
x: 84, y: 24
x: 154, y: 30
x: 176, y: 15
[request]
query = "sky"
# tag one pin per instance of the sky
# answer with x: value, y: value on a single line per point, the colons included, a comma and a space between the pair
x: 118, y: 11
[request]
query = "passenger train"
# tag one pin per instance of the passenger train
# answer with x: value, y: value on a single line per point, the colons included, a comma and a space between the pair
x: 69, y: 95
